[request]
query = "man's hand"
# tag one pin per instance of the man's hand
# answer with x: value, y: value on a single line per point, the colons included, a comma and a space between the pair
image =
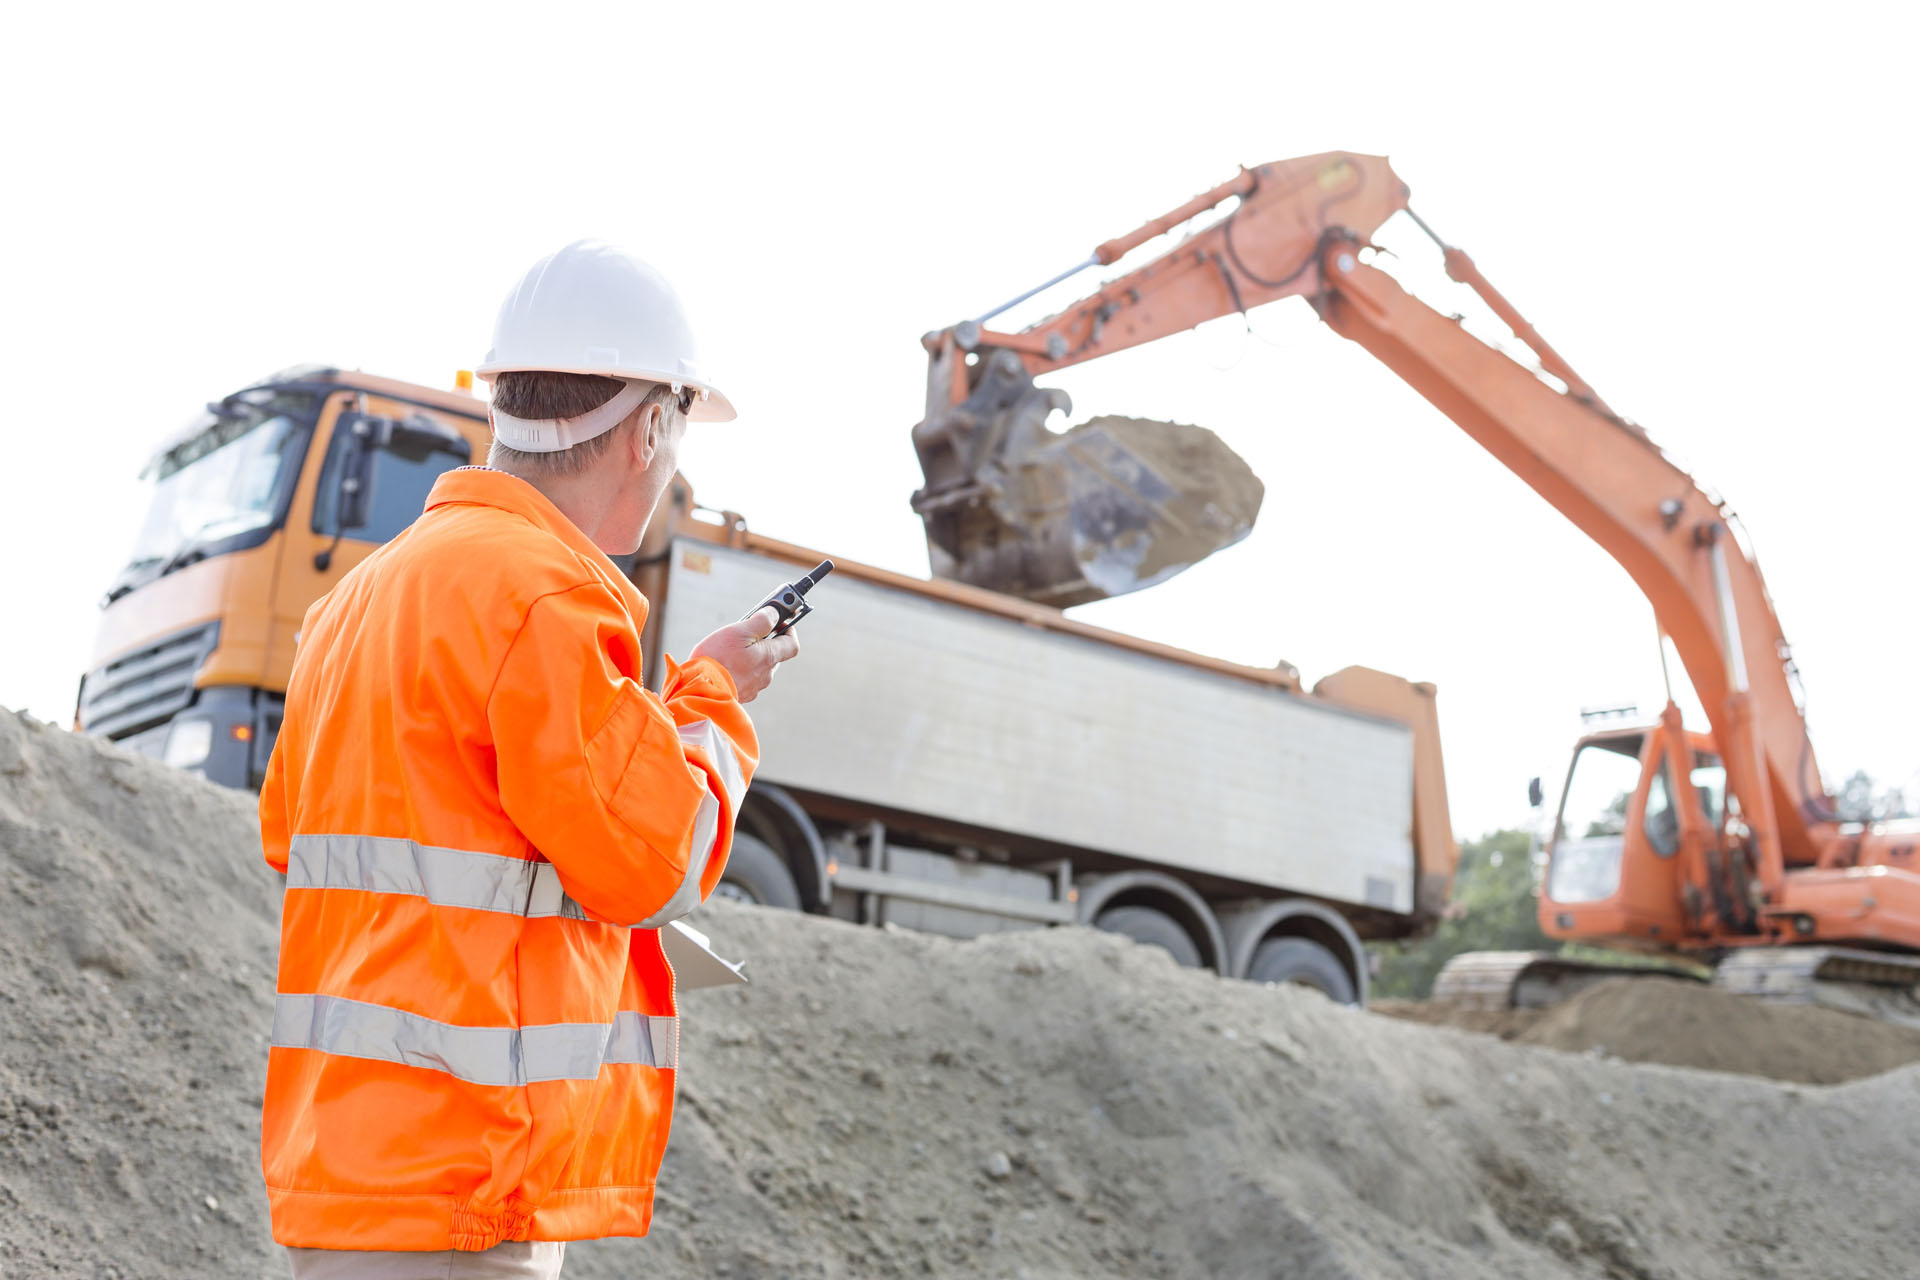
x: 749, y: 651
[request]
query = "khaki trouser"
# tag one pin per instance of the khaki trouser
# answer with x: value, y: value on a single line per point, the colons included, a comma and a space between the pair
x: 508, y: 1261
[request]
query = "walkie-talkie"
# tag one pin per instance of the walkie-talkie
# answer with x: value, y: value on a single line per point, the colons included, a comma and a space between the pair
x: 790, y: 601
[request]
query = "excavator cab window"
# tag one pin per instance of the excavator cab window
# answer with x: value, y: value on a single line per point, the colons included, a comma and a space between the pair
x: 1589, y: 836
x: 1662, y: 821
x: 1709, y: 781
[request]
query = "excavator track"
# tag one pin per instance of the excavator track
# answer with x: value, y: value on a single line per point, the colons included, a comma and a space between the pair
x: 1530, y: 979
x: 1874, y: 984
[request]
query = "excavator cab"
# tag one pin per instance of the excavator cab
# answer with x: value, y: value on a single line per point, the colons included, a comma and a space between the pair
x: 1636, y: 834
x: 1640, y: 817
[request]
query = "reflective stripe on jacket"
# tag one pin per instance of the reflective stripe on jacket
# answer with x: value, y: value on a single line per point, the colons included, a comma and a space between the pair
x: 483, y: 819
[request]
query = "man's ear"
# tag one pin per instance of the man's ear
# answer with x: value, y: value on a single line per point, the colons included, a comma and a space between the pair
x: 647, y: 434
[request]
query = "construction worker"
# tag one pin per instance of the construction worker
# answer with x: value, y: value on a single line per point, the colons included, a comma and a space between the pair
x: 484, y: 820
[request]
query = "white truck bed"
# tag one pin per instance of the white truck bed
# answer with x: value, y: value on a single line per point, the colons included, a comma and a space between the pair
x: 916, y: 703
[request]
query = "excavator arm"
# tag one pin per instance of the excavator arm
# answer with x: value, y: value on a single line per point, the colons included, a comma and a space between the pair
x: 1680, y: 545
x: 1303, y: 227
x: 1269, y: 247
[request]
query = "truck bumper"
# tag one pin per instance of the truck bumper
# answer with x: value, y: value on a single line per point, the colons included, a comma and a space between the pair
x: 225, y: 735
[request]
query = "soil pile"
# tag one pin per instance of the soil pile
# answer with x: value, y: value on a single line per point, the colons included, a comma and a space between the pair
x: 1690, y: 1024
x: 138, y: 928
x: 1045, y: 1104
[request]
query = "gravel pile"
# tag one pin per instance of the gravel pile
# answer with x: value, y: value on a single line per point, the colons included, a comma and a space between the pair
x: 1690, y: 1024
x: 878, y: 1103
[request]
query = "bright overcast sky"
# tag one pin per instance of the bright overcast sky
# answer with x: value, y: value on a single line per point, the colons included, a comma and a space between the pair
x: 1701, y: 212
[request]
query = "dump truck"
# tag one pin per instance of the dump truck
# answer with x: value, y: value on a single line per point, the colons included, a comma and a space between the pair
x: 945, y: 758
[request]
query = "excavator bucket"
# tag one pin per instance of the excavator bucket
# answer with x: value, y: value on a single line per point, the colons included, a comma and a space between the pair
x: 1062, y: 518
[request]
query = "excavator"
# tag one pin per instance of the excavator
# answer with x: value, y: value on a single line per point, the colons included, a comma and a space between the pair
x: 1716, y: 845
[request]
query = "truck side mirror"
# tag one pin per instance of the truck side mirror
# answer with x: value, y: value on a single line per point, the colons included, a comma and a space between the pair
x: 1535, y: 795
x: 356, y: 478
x: 413, y: 439
x: 354, y: 496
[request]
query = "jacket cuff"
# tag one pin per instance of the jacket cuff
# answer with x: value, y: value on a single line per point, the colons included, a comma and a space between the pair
x: 699, y: 672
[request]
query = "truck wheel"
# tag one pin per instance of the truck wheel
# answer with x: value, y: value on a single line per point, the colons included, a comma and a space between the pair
x: 1303, y: 961
x: 1155, y: 929
x: 758, y: 875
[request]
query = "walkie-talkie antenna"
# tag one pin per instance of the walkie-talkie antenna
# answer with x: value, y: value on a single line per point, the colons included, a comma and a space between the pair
x: 790, y: 601
x: 820, y: 571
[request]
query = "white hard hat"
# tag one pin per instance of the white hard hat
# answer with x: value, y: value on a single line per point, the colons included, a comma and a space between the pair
x: 592, y: 307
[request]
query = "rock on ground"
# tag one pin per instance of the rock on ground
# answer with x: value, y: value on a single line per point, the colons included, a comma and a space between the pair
x: 1047, y: 1104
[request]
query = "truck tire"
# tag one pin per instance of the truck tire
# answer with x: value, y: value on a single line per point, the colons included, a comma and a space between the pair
x: 1306, y: 962
x: 1155, y: 929
x: 756, y: 874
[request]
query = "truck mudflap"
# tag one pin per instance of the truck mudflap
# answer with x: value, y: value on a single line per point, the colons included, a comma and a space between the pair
x: 1531, y: 979
x: 1875, y: 984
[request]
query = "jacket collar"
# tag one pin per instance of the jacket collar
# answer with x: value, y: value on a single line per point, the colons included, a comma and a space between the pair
x: 486, y: 487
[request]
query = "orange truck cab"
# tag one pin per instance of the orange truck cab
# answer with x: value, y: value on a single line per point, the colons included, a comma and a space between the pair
x: 259, y: 505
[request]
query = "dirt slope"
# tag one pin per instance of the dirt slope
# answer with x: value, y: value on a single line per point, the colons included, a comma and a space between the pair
x: 137, y: 938
x: 1689, y: 1024
x: 886, y: 1104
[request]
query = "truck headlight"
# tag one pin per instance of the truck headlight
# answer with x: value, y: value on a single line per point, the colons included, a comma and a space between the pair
x: 189, y: 743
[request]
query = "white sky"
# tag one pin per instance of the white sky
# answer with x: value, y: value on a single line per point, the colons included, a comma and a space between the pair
x: 1697, y: 204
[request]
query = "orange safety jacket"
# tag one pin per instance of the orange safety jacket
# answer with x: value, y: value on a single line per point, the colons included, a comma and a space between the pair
x: 483, y: 819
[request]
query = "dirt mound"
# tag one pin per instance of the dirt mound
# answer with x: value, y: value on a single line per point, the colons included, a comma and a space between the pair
x: 137, y: 935
x: 1046, y: 1104
x: 1689, y: 1024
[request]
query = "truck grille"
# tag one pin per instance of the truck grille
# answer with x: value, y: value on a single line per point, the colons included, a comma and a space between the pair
x: 143, y: 688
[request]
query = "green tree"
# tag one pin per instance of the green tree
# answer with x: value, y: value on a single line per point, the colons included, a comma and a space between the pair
x: 1861, y: 799
x: 1493, y: 909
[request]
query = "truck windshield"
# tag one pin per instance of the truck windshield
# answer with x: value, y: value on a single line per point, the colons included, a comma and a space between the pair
x: 221, y: 482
